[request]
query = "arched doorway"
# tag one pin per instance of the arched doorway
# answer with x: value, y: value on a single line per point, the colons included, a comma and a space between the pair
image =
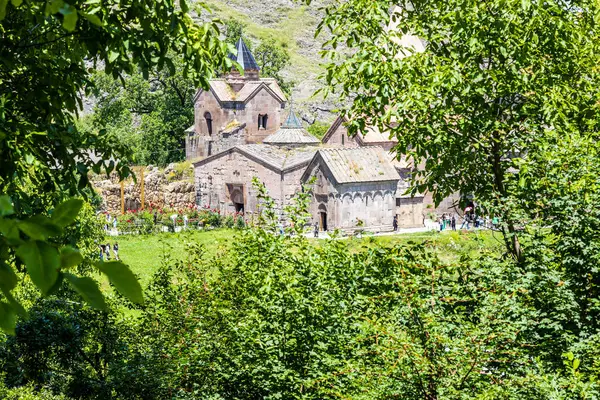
x: 237, y: 198
x: 323, y: 217
x: 209, y: 126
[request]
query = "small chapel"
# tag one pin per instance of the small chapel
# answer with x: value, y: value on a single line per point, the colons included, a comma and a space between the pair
x: 242, y: 130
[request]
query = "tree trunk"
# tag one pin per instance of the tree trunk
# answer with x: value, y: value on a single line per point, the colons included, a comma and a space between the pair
x: 511, y: 240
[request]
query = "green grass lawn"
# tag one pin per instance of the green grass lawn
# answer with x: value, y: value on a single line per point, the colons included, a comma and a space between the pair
x: 144, y: 254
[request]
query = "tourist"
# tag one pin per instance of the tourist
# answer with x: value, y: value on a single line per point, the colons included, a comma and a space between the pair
x: 116, y: 251
x: 453, y: 222
x: 465, y: 222
x: 102, y: 249
x: 395, y: 223
x: 316, y: 229
x: 280, y: 228
x: 115, y: 225
x: 107, y: 249
x: 185, y: 221
x: 441, y: 222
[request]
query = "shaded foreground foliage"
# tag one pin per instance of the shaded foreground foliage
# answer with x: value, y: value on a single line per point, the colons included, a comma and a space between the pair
x: 275, y: 317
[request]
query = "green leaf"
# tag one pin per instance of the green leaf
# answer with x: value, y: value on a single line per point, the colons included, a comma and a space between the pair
x: 16, y: 306
x: 125, y: 282
x: 88, y: 289
x: 39, y: 228
x: 66, y: 213
x: 9, y: 228
x: 576, y: 363
x: 6, y: 207
x: 8, y: 318
x: 3, y: 4
x: 54, y: 6
x: 70, y: 257
x: 8, y: 278
x: 42, y: 263
x: 94, y: 19
x: 184, y: 6
x: 16, y: 3
x: 113, y: 55
x: 70, y: 18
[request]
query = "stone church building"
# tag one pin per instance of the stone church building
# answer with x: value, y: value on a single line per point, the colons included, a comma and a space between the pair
x: 241, y: 132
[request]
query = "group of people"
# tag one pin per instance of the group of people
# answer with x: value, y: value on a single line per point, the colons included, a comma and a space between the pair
x: 448, y: 221
x: 105, y: 251
x: 111, y: 222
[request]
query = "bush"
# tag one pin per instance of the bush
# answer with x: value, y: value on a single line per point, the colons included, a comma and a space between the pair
x: 229, y: 222
x: 239, y: 222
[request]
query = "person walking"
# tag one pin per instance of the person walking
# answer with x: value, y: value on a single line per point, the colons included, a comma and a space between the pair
x: 102, y: 252
x: 465, y: 222
x: 316, y: 229
x: 453, y: 222
x: 116, y: 251
x: 395, y: 223
x: 107, y: 248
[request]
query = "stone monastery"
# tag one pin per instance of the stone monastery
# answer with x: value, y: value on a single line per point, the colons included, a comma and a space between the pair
x: 242, y: 130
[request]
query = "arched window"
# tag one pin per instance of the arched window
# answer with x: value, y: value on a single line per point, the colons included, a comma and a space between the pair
x: 262, y: 121
x: 208, y: 119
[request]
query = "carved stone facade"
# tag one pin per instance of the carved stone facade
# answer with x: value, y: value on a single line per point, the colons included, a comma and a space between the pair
x: 224, y: 181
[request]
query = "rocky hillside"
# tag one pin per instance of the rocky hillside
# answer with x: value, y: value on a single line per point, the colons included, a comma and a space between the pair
x: 293, y: 25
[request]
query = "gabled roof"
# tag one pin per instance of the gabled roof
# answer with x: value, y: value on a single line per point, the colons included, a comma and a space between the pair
x: 244, y: 57
x: 356, y: 165
x: 224, y: 93
x: 291, y: 133
x: 277, y: 159
x: 371, y: 136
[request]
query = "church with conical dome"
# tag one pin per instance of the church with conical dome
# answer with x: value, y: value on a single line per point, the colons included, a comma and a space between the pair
x: 243, y: 131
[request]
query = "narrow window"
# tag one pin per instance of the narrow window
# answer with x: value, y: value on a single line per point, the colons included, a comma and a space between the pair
x: 262, y: 121
x: 208, y: 119
x: 343, y: 139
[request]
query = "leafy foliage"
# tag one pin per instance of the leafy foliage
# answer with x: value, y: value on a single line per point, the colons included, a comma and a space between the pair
x: 70, y: 349
x: 45, y: 47
x: 31, y: 244
x: 492, y: 79
x: 149, y: 116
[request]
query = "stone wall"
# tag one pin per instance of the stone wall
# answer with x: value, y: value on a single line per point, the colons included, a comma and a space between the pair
x: 373, y: 203
x: 218, y: 180
x: 161, y: 188
x: 262, y: 103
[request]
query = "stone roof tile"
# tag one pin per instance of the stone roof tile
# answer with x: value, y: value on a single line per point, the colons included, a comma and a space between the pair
x: 244, y: 57
x: 361, y: 164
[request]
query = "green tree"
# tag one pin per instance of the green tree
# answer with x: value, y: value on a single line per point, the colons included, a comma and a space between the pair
x: 271, y: 57
x: 44, y: 51
x: 493, y: 77
x: 150, y: 116
x: 47, y: 50
x: 234, y: 30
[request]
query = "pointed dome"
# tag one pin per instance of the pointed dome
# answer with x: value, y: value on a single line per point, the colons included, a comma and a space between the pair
x: 244, y: 57
x: 291, y: 134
